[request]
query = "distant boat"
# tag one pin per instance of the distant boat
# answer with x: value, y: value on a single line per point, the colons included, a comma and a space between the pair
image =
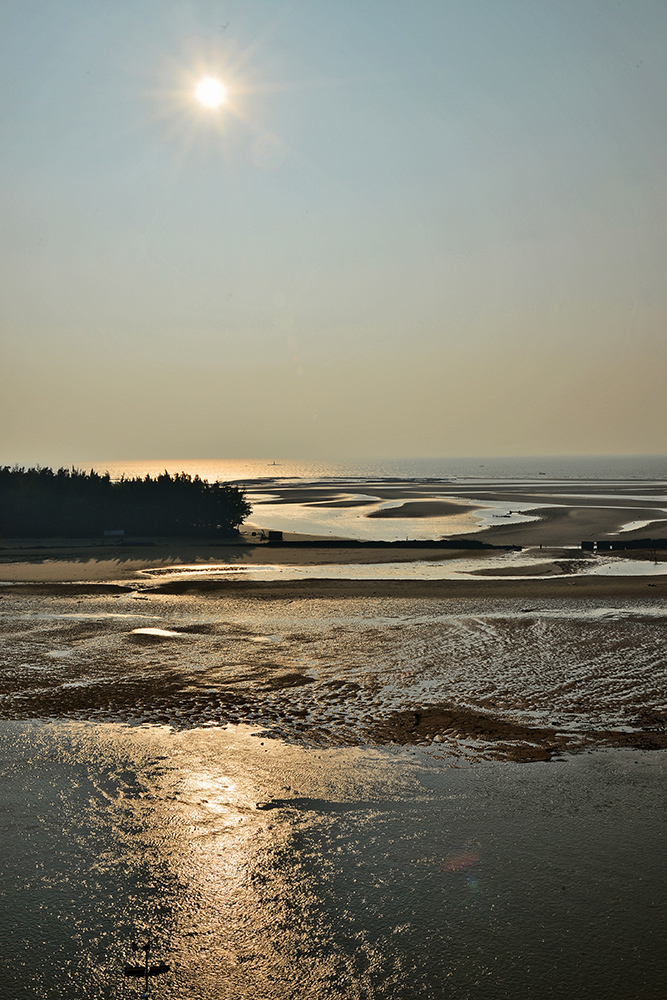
x: 273, y: 463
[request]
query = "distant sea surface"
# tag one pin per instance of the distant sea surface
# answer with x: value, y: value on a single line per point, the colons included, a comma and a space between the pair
x: 652, y: 467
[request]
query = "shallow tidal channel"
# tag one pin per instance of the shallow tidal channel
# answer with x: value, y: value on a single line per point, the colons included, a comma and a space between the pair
x: 269, y: 870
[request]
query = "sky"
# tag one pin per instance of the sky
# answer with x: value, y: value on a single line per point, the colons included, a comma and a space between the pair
x: 414, y: 228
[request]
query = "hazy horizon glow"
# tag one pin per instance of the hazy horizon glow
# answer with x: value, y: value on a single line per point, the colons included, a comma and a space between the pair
x: 408, y: 230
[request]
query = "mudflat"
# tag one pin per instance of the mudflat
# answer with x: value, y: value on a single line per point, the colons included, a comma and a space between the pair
x: 513, y: 655
x: 561, y: 513
x: 504, y: 669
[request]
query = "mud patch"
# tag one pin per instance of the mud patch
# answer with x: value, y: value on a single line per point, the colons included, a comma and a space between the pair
x: 643, y: 740
x: 281, y: 681
x: 444, y: 724
x: 502, y: 739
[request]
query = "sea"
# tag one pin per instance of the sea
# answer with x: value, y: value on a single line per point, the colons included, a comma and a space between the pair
x: 596, y: 467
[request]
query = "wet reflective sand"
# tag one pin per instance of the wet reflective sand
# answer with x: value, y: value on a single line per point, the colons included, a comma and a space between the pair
x: 492, y: 677
x: 514, y: 511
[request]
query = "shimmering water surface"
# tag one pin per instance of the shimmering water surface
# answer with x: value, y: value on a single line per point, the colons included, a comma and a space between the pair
x: 369, y: 873
x: 553, y: 468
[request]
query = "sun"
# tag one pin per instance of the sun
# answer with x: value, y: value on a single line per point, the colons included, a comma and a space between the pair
x: 210, y: 92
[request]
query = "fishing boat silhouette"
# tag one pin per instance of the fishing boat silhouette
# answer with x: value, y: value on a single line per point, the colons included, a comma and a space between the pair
x: 145, y: 971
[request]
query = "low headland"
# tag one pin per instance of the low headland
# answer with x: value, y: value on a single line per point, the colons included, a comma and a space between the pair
x: 40, y: 503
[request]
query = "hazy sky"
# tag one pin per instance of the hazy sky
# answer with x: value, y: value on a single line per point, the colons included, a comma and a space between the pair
x: 414, y: 229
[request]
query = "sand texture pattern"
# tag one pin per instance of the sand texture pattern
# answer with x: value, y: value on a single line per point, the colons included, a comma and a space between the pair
x: 346, y: 664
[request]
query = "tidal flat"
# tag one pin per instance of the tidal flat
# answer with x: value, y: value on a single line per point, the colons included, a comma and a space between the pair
x: 340, y: 773
x: 351, y: 664
x: 331, y: 789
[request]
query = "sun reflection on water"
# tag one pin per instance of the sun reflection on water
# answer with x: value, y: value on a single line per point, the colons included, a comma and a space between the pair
x: 338, y: 889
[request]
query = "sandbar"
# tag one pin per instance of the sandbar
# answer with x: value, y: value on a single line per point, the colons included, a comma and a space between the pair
x: 424, y: 508
x: 559, y: 513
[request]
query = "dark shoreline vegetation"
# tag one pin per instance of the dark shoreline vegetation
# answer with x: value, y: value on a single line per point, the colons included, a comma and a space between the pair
x: 70, y: 503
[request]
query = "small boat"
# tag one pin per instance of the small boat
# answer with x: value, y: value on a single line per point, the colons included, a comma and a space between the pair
x: 144, y: 970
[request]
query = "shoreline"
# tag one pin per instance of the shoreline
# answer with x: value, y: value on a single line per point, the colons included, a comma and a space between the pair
x: 563, y: 586
x: 182, y: 566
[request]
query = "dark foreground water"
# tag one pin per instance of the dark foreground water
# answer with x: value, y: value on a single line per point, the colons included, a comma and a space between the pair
x: 373, y: 873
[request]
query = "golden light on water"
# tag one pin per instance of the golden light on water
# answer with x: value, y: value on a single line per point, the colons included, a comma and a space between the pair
x: 211, y: 92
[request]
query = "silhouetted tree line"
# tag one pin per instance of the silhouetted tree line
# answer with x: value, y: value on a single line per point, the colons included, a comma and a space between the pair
x: 69, y: 503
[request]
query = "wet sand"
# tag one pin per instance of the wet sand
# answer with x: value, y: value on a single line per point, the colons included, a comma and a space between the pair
x: 117, y: 632
x: 562, y: 513
x: 559, y: 582
x: 564, y: 585
x: 423, y: 508
x: 566, y: 525
x: 511, y: 669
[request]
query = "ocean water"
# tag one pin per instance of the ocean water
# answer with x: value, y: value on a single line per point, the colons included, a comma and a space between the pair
x: 647, y: 467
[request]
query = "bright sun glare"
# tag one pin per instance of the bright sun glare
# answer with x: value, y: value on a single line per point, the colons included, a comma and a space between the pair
x: 210, y: 92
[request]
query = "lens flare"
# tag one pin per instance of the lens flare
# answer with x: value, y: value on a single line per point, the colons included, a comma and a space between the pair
x: 460, y: 862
